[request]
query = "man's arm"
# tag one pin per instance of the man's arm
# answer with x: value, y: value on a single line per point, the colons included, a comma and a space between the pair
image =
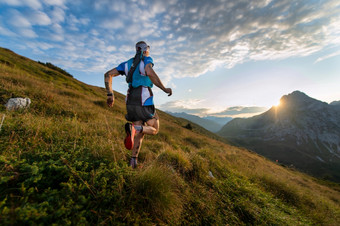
x: 108, y: 85
x: 155, y: 79
x: 108, y: 79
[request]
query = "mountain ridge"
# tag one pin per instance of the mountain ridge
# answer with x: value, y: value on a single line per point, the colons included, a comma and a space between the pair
x: 213, y: 124
x: 303, y: 125
x: 337, y: 103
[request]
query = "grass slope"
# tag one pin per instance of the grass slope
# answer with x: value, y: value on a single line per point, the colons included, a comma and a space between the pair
x: 63, y: 161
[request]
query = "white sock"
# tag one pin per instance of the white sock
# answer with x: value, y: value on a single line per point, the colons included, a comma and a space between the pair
x: 138, y: 128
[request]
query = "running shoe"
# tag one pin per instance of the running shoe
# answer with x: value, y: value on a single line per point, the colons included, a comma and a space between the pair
x: 130, y: 135
x: 133, y: 162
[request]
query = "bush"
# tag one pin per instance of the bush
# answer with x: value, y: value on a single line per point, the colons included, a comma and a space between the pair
x: 281, y: 190
x: 200, y: 168
x: 194, y: 141
x: 56, y: 68
x: 156, y: 191
x: 178, y: 160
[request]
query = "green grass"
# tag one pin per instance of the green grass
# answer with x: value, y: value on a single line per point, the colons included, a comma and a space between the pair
x: 63, y: 161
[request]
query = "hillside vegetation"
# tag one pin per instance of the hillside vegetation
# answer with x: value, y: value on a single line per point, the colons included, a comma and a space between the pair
x: 63, y: 161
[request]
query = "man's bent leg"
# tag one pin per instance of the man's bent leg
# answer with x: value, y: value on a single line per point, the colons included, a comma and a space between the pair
x: 138, y: 140
x: 152, y: 126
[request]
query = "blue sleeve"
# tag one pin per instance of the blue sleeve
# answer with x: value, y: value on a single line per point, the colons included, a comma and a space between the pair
x: 148, y: 60
x: 121, y: 68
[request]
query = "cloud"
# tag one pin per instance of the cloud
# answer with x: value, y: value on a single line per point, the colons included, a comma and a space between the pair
x: 112, y: 24
x: 241, y: 110
x: 27, y: 32
x: 34, y: 4
x: 337, y: 53
x: 187, y: 38
x: 28, y: 18
x: 60, y: 3
x: 5, y: 31
x: 57, y: 33
x: 188, y: 106
x: 234, y: 32
x: 21, y: 25
x: 39, y: 47
x: 16, y: 19
x: 39, y: 18
x: 57, y: 15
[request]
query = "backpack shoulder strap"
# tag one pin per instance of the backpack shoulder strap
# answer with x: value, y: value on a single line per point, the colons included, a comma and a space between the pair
x: 136, y: 60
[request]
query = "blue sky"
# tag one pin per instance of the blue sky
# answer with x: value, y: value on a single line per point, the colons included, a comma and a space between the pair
x: 220, y: 57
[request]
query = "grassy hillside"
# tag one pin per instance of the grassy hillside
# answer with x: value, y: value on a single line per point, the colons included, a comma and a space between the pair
x: 63, y: 161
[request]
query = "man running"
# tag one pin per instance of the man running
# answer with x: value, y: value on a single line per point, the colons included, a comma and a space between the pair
x: 139, y: 101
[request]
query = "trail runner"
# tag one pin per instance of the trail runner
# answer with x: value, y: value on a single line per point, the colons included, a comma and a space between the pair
x: 141, y: 112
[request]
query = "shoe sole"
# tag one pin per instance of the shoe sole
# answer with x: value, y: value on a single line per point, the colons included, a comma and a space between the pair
x: 129, y: 136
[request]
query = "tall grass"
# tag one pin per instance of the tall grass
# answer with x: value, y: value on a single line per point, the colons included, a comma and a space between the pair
x: 63, y: 161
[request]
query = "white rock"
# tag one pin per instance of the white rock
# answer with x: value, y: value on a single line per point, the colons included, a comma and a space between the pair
x: 18, y: 103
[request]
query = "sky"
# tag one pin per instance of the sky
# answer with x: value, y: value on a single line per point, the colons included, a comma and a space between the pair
x: 233, y: 58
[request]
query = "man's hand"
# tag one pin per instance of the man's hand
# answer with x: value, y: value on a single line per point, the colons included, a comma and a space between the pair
x: 110, y: 101
x: 168, y: 91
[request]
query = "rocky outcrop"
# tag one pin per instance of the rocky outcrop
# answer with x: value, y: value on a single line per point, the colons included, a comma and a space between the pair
x: 18, y: 103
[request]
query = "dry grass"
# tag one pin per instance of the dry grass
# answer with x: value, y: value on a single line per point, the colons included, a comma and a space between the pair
x: 68, y: 122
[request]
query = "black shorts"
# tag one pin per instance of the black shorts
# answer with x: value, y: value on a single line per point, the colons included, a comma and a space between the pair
x: 140, y: 113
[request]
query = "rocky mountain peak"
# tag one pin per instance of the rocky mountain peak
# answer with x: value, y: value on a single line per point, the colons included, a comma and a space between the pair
x: 301, y: 131
x: 298, y: 100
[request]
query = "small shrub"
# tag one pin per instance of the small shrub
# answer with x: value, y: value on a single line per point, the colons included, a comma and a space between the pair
x: 56, y: 68
x: 155, y: 191
x: 178, y: 160
x: 197, y: 143
x: 154, y: 146
x: 199, y: 168
x: 100, y: 103
x: 281, y: 190
x: 164, y: 136
x: 5, y: 62
x: 188, y: 126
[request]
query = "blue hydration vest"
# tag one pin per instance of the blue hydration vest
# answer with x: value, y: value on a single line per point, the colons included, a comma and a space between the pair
x: 139, y: 77
x: 139, y: 92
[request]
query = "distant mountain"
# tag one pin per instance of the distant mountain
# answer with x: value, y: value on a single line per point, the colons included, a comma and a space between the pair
x: 219, y: 120
x: 302, y: 131
x: 211, y: 123
x: 335, y: 103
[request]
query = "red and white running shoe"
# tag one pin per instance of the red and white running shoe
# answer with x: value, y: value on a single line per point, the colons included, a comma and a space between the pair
x: 130, y: 135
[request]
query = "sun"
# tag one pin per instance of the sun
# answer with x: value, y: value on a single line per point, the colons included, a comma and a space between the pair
x: 277, y: 104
